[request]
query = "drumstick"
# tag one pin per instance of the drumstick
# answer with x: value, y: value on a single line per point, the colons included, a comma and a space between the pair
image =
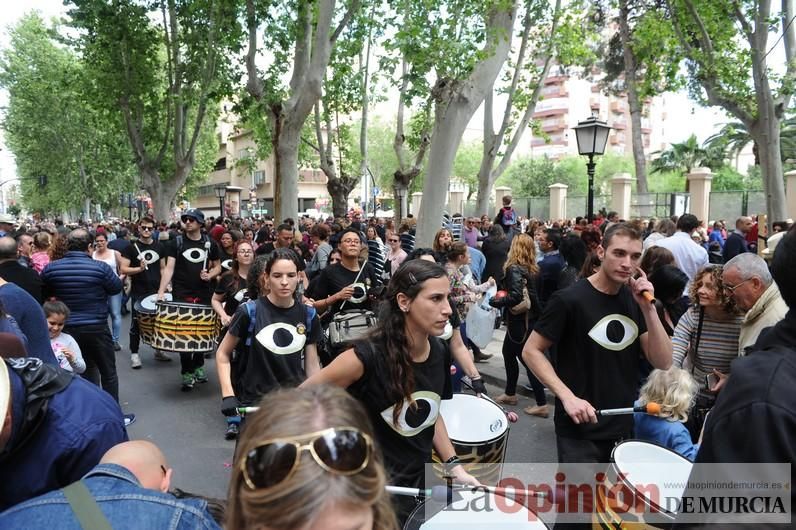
x: 361, y: 268
x: 440, y: 493
x: 140, y: 257
x: 207, y: 253
x: 648, y: 296
x: 650, y: 408
x: 247, y: 410
x: 510, y: 414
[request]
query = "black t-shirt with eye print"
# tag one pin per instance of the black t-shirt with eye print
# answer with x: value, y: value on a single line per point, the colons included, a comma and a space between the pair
x: 597, y: 356
x: 275, y: 354
x: 234, y: 288
x: 190, y: 258
x: 335, y: 277
x: 406, y: 445
x: 146, y: 282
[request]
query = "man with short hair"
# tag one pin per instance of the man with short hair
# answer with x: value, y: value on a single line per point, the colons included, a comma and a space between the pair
x: 550, y: 266
x: 24, y: 249
x: 54, y: 427
x: 143, y: 262
x: 192, y: 261
x: 12, y: 271
x: 736, y: 242
x: 285, y: 236
x: 689, y: 256
x: 602, y: 327
x: 470, y: 232
x: 130, y: 485
x: 747, y: 279
x: 506, y: 216
x: 85, y: 286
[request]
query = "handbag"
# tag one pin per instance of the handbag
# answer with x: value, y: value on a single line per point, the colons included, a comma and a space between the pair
x: 525, y: 305
x: 348, y: 326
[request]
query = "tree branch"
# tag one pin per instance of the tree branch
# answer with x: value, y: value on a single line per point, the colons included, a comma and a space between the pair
x: 254, y: 85
x: 400, y: 139
x: 353, y: 7
x: 789, y: 40
x: 741, y: 18
x: 704, y: 37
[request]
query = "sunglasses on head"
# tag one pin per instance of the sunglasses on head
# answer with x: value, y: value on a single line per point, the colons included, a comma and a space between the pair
x: 340, y: 450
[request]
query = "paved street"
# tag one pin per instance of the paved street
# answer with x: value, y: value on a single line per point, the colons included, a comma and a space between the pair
x: 189, y: 426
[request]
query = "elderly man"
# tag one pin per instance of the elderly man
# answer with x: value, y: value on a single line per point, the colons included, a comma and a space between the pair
x: 7, y: 224
x: 747, y: 279
x: 11, y: 270
x: 24, y: 249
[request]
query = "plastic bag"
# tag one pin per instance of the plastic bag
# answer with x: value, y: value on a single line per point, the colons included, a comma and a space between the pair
x: 481, y: 319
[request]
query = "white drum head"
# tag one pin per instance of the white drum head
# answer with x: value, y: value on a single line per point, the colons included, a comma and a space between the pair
x: 151, y: 302
x: 470, y: 419
x: 497, y: 517
x: 646, y: 463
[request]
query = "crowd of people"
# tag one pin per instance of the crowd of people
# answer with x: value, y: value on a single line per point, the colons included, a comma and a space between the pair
x: 600, y: 314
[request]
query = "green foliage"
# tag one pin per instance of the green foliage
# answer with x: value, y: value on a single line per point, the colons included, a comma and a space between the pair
x: 685, y: 156
x: 53, y: 128
x: 728, y: 179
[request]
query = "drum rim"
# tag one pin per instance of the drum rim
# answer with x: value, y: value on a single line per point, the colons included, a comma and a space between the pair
x: 647, y: 501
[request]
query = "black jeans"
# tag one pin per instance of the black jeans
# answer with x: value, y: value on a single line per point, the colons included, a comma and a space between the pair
x: 96, y: 345
x: 135, y: 331
x: 516, y: 335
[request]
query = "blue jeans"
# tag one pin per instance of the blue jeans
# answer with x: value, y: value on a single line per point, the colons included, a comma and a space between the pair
x: 115, y: 308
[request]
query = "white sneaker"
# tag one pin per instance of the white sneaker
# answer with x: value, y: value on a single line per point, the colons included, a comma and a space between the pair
x: 135, y: 360
x: 160, y: 356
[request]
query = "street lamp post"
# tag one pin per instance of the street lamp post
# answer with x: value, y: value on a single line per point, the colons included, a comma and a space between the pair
x: 221, y: 192
x: 130, y: 206
x: 592, y: 135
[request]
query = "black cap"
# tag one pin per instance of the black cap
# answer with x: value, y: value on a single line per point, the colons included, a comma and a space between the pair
x: 195, y: 213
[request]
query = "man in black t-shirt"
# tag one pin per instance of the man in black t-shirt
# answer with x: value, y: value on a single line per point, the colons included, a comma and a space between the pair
x: 191, y: 263
x: 601, y: 327
x: 143, y: 262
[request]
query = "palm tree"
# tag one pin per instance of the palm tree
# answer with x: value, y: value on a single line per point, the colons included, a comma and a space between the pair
x: 685, y: 156
x: 733, y: 137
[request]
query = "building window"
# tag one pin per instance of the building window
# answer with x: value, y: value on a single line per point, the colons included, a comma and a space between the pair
x: 244, y: 154
x: 259, y: 177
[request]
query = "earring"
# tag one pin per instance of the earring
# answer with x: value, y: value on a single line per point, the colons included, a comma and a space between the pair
x: 405, y: 309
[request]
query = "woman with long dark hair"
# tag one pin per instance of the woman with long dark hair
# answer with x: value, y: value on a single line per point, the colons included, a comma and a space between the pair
x: 402, y: 369
x: 495, y: 249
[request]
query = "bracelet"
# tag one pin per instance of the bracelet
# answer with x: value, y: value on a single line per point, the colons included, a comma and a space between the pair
x: 453, y: 460
x: 447, y: 467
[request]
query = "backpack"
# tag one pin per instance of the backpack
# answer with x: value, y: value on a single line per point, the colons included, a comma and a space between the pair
x: 509, y: 216
x: 179, y: 240
x: 251, y: 309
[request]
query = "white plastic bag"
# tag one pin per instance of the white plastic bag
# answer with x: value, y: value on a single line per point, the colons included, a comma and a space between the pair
x: 481, y: 319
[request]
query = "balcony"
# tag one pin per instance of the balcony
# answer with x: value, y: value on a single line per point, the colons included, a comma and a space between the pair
x: 594, y: 104
x: 618, y: 107
x: 551, y: 125
x: 619, y: 125
x: 554, y: 79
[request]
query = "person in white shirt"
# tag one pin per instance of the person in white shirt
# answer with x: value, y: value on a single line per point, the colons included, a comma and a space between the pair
x: 65, y: 347
x: 689, y: 256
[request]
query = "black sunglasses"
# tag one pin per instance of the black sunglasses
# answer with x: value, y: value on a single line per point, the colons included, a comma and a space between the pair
x: 147, y: 228
x: 186, y: 219
x: 342, y: 450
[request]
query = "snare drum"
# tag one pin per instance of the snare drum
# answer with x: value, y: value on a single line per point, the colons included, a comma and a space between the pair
x: 661, y: 473
x: 479, y: 432
x: 475, y: 511
x: 184, y: 327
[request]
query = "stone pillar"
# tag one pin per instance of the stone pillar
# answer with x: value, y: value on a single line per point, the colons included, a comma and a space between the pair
x: 499, y: 193
x: 700, y: 180
x: 790, y: 193
x: 456, y: 202
x: 620, y: 195
x: 416, y: 198
x: 558, y: 201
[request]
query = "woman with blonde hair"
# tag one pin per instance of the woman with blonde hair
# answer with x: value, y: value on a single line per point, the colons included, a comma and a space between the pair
x: 307, y: 459
x: 705, y: 340
x: 521, y: 273
x: 674, y: 390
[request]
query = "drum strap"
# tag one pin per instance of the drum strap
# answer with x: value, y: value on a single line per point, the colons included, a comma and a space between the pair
x: 251, y: 309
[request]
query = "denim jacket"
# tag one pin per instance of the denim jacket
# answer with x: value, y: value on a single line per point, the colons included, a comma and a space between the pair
x: 122, y: 500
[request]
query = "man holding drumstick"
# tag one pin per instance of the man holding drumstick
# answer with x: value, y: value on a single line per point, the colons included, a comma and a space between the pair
x: 192, y: 261
x: 143, y: 262
x: 601, y: 325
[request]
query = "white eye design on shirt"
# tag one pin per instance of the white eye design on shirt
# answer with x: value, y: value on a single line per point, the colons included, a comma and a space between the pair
x: 149, y: 256
x: 614, y: 332
x: 226, y: 264
x: 360, y: 293
x: 195, y: 255
x: 412, y: 421
x: 239, y: 295
x: 298, y: 337
x: 448, y: 332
